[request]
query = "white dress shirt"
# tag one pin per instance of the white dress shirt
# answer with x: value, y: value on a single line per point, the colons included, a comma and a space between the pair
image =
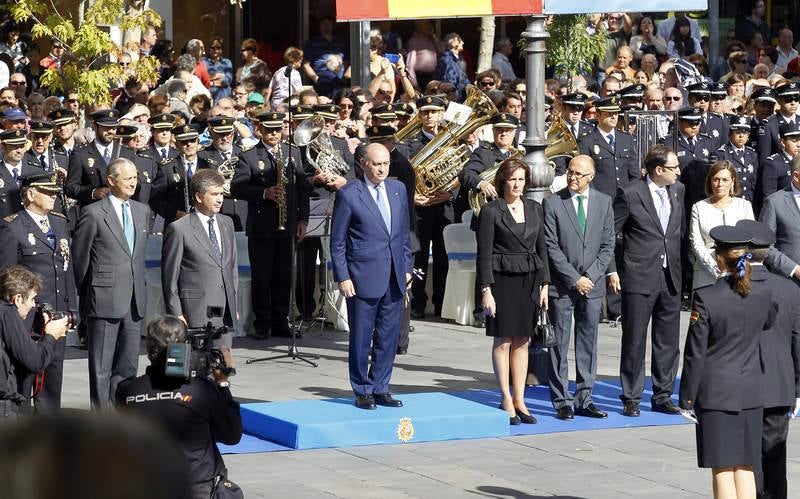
x: 574, y: 198
x: 116, y: 203
x: 11, y: 167
x: 204, y: 222
x: 384, y: 196
x: 102, y: 149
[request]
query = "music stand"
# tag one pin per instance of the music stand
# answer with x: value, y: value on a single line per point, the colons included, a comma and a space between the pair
x: 291, y: 226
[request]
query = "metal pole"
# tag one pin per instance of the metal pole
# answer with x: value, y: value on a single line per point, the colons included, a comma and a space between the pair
x: 536, y: 139
x: 359, y: 53
x: 713, y: 32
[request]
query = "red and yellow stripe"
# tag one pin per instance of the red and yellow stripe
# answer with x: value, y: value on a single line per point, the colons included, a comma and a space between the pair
x: 356, y: 10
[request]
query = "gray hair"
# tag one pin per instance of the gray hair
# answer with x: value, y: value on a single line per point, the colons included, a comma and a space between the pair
x: 204, y: 179
x: 174, y: 87
x: 502, y: 42
x: 116, y: 165
x: 160, y: 332
x: 192, y: 45
x: 186, y: 62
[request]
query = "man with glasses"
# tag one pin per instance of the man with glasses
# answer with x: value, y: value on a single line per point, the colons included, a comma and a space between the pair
x: 743, y: 157
x: 711, y: 125
x: 46, y: 158
x: 86, y: 173
x: 788, y: 96
x: 161, y: 137
x: 255, y: 181
x: 650, y: 218
x: 486, y: 81
x: 171, y: 198
x: 694, y: 153
x: 19, y: 83
x: 764, y: 101
x: 776, y: 171
x: 222, y: 150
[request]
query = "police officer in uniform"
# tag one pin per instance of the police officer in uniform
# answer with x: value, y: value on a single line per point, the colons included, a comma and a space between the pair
x: 743, y: 157
x: 146, y: 165
x: 616, y: 165
x: 64, y: 125
x: 572, y: 106
x: 788, y: 96
x: 12, y: 168
x: 694, y: 152
x: 404, y: 113
x: 719, y: 92
x: 222, y: 150
x: 330, y: 113
x: 161, y: 126
x: 382, y: 115
x: 711, y: 125
x: 764, y: 100
x: 632, y: 96
x: 268, y: 245
x: 45, y: 157
x: 776, y: 171
x: 433, y: 215
x: 38, y: 238
x: 171, y: 197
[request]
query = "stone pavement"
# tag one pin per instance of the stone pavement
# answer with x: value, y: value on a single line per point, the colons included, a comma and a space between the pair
x: 655, y: 462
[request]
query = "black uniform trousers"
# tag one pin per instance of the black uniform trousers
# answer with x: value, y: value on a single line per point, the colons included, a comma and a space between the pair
x: 307, y: 252
x: 774, y: 431
x: 664, y: 308
x: 270, y: 272
x: 430, y: 229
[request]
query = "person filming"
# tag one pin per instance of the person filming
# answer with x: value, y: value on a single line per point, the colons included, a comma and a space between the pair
x: 196, y: 412
x: 18, y: 289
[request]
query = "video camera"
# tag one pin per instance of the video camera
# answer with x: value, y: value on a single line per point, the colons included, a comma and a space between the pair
x: 46, y: 310
x: 196, y: 357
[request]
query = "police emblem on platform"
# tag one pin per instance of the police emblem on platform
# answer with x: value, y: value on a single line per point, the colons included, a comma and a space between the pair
x: 405, y: 430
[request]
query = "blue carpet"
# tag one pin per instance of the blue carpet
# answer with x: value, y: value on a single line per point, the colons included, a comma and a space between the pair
x: 605, y: 396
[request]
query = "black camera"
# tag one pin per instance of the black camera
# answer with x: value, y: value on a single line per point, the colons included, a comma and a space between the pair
x: 196, y: 357
x: 46, y: 310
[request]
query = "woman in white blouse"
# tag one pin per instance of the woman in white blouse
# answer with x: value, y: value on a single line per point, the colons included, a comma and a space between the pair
x: 721, y: 207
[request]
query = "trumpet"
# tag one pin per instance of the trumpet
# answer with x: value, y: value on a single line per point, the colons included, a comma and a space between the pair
x: 282, y: 181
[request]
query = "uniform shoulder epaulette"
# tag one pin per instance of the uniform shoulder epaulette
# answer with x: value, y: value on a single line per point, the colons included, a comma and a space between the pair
x: 11, y: 217
x: 245, y: 149
x: 58, y: 214
x: 723, y: 148
x: 79, y: 147
x: 773, y: 156
x: 167, y: 161
x: 485, y: 146
x: 746, y: 147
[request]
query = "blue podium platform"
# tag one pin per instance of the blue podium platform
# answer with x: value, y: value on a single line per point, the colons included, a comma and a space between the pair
x: 312, y: 424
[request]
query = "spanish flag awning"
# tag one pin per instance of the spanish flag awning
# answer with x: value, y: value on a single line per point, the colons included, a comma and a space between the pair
x: 359, y: 10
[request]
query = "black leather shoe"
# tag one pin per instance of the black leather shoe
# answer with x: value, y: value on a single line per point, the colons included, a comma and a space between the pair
x: 631, y: 409
x: 386, y: 400
x: 666, y: 407
x: 565, y: 413
x: 514, y: 421
x: 526, y: 418
x: 366, y: 402
x: 590, y: 411
x: 417, y: 314
x: 402, y: 350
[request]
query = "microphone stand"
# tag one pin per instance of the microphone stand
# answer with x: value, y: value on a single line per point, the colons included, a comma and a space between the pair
x: 291, y: 226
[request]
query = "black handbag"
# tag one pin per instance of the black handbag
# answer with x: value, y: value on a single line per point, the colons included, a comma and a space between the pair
x: 544, y: 336
x: 225, y: 488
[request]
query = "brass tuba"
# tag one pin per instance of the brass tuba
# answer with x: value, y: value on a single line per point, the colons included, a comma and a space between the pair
x: 413, y: 127
x: 561, y: 143
x: 320, y: 153
x: 439, y: 162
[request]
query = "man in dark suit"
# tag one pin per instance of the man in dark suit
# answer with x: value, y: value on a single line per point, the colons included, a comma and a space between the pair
x: 257, y: 180
x: 199, y: 270
x: 781, y: 214
x: 160, y: 147
x: 109, y: 247
x: 371, y: 255
x: 742, y: 156
x: 780, y: 365
x: 579, y: 225
x: 86, y: 174
x: 170, y: 197
x: 788, y: 96
x: 223, y: 151
x: 775, y: 172
x: 38, y: 238
x: 12, y: 168
x: 711, y: 125
x: 649, y: 215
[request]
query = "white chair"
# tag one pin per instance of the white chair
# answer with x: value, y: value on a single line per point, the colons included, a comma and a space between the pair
x: 459, y: 291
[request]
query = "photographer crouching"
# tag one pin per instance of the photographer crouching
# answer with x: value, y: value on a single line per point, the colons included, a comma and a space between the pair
x: 18, y: 351
x: 177, y: 392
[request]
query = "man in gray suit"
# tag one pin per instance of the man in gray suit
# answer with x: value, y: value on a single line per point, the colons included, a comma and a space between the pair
x: 781, y: 213
x: 109, y: 248
x: 199, y: 267
x: 579, y: 225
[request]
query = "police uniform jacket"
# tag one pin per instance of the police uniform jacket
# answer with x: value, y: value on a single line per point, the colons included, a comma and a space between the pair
x: 194, y: 413
x: 147, y: 167
x: 352, y: 161
x: 757, y: 130
x: 721, y: 368
x: 694, y: 163
x: 411, y: 148
x: 716, y: 128
x: 231, y: 206
x: 481, y: 159
x: 24, y: 243
x: 170, y: 191
x: 775, y: 174
x: 154, y: 152
x: 746, y: 165
x: 769, y: 142
x: 255, y: 172
x: 19, y: 352
x: 780, y: 346
x: 87, y: 171
x: 54, y: 157
x: 614, y: 168
x: 10, y: 198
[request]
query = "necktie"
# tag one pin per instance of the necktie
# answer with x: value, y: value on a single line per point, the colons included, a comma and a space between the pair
x: 581, y: 214
x: 189, y: 169
x: 107, y: 155
x: 383, y: 207
x: 127, y: 225
x: 611, y: 140
x: 225, y: 155
x: 164, y: 154
x: 212, y: 235
x: 577, y: 129
x: 15, y: 173
x: 43, y: 163
x: 663, y: 209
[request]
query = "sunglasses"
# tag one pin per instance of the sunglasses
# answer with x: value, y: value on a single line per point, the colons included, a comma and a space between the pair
x: 790, y: 98
x: 486, y: 83
x: 675, y: 98
x: 701, y: 98
x: 187, y: 142
x: 17, y: 83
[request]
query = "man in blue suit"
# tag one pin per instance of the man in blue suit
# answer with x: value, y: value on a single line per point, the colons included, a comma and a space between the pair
x: 371, y: 254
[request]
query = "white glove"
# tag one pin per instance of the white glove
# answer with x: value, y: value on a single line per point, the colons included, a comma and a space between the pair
x: 689, y: 414
x: 796, y: 407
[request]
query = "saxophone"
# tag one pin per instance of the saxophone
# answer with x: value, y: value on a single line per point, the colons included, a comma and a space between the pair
x: 281, y: 181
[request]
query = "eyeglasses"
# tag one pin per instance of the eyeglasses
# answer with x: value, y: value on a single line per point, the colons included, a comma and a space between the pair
x: 124, y: 64
x: 385, y: 92
x: 674, y: 98
x: 737, y: 110
x: 701, y: 98
x: 346, y: 106
x: 240, y: 94
x: 13, y: 82
x: 576, y: 175
x: 486, y: 83
x: 673, y: 166
x: 790, y: 98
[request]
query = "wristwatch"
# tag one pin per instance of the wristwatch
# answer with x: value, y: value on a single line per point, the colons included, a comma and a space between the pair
x: 224, y: 384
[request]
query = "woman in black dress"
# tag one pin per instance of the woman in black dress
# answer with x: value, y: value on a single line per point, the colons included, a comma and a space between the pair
x: 721, y: 369
x: 513, y: 273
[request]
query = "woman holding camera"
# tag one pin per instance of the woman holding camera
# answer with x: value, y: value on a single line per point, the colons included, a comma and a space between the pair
x: 513, y: 273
